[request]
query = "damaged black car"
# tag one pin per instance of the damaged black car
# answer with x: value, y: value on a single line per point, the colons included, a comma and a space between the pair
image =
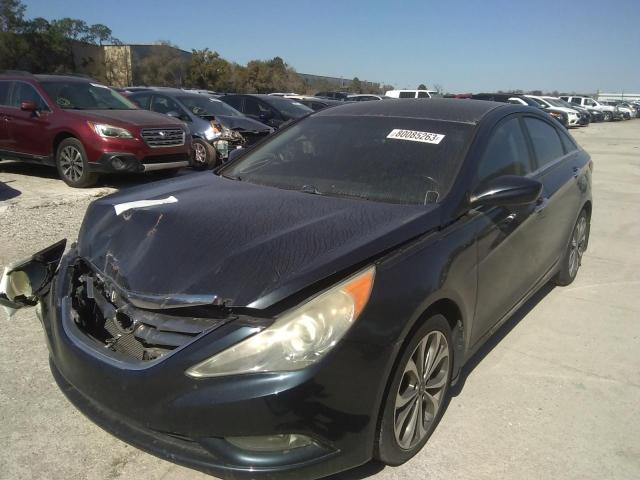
x: 306, y: 308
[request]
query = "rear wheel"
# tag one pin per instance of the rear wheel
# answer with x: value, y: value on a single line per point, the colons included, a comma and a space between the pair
x: 204, y: 155
x: 572, y: 259
x: 608, y: 116
x: 417, y: 394
x: 72, y: 164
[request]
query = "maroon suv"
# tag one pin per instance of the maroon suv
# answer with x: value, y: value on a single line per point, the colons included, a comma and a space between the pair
x: 85, y: 129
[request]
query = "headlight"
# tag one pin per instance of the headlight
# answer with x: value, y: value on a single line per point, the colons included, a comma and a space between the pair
x: 299, y: 337
x: 210, y: 134
x: 109, y: 131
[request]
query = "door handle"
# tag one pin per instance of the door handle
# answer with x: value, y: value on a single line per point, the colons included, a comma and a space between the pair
x: 541, y: 204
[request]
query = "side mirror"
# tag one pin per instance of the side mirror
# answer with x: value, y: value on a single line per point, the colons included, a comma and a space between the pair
x: 28, y: 106
x: 507, y: 190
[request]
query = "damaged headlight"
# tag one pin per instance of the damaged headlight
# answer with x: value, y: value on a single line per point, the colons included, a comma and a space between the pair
x: 300, y: 337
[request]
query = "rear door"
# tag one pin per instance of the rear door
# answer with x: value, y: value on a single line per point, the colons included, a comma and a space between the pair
x: 5, y: 89
x: 28, y: 131
x: 561, y: 168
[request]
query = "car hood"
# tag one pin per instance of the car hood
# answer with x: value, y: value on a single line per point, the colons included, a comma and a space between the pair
x: 243, y: 123
x: 123, y: 118
x: 206, y: 239
x: 565, y: 109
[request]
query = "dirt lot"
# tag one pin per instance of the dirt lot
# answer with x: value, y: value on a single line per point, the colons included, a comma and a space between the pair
x: 556, y: 394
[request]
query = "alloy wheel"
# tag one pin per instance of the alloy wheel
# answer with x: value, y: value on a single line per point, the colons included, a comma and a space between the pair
x: 421, y: 391
x: 71, y: 163
x: 577, y: 245
x: 199, y: 154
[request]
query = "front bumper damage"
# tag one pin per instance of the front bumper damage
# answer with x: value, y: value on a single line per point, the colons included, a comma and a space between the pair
x: 123, y: 365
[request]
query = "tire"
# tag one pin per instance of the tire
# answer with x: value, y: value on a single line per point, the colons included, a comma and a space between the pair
x: 395, y: 442
x: 572, y: 257
x: 72, y: 164
x: 608, y: 116
x: 204, y: 155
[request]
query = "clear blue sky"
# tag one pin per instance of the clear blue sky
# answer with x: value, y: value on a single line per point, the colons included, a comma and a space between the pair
x: 568, y: 45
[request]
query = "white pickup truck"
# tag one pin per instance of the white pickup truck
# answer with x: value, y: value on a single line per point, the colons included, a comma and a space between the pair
x: 609, y: 112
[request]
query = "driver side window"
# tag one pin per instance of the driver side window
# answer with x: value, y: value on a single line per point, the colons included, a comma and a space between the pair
x: 506, y: 153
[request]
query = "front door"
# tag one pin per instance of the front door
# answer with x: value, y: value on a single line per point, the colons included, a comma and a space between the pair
x: 27, y: 130
x: 509, y: 256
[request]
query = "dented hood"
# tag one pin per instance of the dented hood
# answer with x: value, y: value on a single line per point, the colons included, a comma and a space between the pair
x: 205, y: 236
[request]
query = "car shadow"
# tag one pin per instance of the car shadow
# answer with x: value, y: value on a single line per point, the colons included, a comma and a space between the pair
x: 6, y: 192
x: 373, y: 467
x: 497, y: 337
x: 116, y: 181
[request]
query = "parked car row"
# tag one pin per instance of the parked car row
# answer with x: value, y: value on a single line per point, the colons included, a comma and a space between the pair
x: 86, y: 129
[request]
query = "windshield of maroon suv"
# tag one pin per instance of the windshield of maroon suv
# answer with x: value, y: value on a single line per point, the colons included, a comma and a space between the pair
x: 394, y: 160
x: 76, y: 95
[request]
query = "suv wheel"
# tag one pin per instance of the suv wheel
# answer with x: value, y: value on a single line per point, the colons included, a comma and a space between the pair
x: 608, y: 116
x: 204, y: 155
x: 418, y: 393
x: 71, y: 160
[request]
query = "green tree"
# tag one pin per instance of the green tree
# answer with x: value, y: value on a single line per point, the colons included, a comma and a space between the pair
x: 422, y: 86
x: 207, y: 69
x: 11, y: 15
x: 356, y: 85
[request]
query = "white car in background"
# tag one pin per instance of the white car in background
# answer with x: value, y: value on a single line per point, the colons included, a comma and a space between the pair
x: 573, y: 115
x: 365, y: 97
x: 627, y: 113
x: 609, y: 112
x: 411, y: 93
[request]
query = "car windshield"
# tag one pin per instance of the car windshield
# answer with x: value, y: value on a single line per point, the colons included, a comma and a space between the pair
x: 556, y: 103
x: 534, y: 102
x: 85, y: 96
x: 394, y: 160
x: 290, y: 108
x: 203, y: 106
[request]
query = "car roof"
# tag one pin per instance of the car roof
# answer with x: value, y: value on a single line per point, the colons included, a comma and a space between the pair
x: 66, y: 78
x: 446, y: 109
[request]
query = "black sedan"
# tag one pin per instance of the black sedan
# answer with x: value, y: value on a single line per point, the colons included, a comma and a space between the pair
x: 309, y: 307
x: 273, y: 110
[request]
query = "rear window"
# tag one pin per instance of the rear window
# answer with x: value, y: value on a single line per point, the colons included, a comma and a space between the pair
x: 407, y: 95
x: 395, y: 160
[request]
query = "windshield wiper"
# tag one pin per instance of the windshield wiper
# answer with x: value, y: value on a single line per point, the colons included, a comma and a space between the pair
x: 231, y: 177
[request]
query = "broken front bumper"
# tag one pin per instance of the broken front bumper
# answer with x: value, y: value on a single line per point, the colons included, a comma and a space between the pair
x: 154, y: 405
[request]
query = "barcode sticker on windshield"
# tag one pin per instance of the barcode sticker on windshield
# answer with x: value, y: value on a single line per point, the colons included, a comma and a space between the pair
x: 415, y: 136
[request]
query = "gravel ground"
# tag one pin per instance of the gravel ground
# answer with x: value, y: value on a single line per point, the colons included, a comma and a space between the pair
x: 555, y: 394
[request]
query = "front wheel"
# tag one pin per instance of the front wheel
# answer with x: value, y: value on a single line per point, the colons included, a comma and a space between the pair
x: 72, y: 164
x: 417, y: 395
x: 204, y: 155
x: 572, y: 258
x: 608, y: 116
